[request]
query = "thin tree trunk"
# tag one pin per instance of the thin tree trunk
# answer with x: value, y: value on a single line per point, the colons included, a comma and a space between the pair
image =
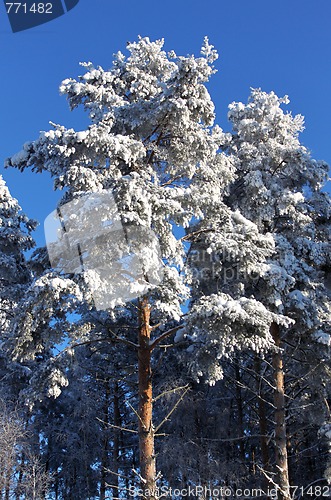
x: 253, y: 462
x: 263, y: 426
x: 280, y: 430
x: 229, y: 447
x: 103, y: 477
x: 20, y: 477
x: 104, y: 458
x: 8, y: 481
x: 198, y: 434
x: 261, y: 408
x: 145, y: 390
x: 117, y: 423
x: 56, y: 487
x: 240, y: 413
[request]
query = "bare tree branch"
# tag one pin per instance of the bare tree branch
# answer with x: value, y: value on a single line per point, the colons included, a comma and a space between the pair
x: 164, y: 336
x: 173, y: 409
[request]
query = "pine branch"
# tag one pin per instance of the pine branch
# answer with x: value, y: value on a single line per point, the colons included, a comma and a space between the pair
x: 226, y: 440
x: 270, y: 479
x: 135, y: 412
x: 164, y: 336
x: 117, y: 474
x: 173, y: 409
x: 170, y: 391
x: 117, y: 426
x: 124, y: 341
x: 95, y: 341
x: 195, y: 233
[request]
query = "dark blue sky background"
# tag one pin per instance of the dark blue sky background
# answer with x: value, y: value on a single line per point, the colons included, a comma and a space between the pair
x: 280, y: 45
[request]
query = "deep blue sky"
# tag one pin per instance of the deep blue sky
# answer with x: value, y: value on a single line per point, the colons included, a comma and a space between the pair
x: 280, y: 45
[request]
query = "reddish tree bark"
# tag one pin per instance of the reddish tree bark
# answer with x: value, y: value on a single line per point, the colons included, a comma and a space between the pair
x: 145, y: 412
x: 280, y: 414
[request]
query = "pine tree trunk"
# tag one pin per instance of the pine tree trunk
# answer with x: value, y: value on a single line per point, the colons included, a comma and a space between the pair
x: 104, y: 458
x: 7, y: 482
x: 261, y: 408
x: 263, y: 425
x: 117, y: 423
x: 56, y: 487
x: 146, y: 430
x: 20, y: 477
x: 200, y: 455
x: 280, y: 430
x: 240, y: 413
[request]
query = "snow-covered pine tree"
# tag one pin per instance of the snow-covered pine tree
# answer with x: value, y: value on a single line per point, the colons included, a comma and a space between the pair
x: 279, y: 187
x: 153, y: 144
x: 15, y: 239
x: 20, y: 468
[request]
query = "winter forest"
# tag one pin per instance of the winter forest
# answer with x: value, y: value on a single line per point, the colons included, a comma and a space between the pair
x: 173, y: 339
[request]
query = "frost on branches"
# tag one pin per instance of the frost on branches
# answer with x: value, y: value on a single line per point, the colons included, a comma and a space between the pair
x: 152, y: 142
x: 15, y: 229
x: 15, y: 239
x: 237, y: 226
x: 231, y: 325
x: 225, y: 264
x: 279, y: 188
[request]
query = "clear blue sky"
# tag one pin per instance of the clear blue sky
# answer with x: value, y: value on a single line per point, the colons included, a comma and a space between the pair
x: 280, y: 45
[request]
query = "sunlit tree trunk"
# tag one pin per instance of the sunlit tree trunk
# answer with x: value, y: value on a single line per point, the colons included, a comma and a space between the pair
x: 281, y: 460
x: 145, y: 411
